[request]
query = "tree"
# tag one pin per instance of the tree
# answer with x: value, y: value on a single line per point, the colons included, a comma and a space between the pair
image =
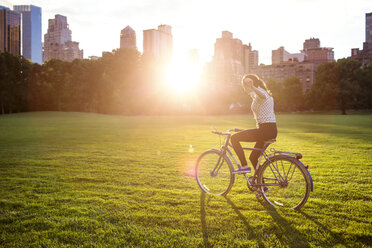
x: 120, y: 75
x: 324, y: 92
x: 39, y: 89
x: 14, y: 74
x: 364, y: 95
x: 291, y: 96
x: 348, y: 85
x: 125, y: 82
x: 287, y: 95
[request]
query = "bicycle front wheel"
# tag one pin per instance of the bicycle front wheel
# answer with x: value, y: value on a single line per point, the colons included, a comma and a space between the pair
x: 284, y: 182
x: 214, y: 172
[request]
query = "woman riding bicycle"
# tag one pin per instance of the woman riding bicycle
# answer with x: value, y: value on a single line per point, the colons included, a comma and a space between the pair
x: 263, y: 111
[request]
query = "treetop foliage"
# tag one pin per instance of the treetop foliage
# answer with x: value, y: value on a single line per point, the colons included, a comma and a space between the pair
x: 126, y: 82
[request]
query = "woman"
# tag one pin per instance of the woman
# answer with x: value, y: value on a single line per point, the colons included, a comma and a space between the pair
x: 263, y: 111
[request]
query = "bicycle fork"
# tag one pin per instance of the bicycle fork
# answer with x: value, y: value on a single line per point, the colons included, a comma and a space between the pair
x: 219, y: 164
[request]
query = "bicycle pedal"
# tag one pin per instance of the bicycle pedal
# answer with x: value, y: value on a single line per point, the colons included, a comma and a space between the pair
x: 251, y: 188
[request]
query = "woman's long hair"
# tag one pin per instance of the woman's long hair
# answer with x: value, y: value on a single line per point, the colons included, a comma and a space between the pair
x: 257, y: 82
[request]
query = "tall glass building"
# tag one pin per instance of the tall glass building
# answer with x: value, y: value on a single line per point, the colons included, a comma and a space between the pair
x: 10, y: 31
x: 31, y: 32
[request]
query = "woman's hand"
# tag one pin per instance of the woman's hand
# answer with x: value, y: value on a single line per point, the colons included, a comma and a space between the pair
x: 248, y: 85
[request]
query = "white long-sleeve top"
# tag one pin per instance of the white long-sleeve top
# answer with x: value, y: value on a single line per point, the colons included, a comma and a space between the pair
x: 263, y: 108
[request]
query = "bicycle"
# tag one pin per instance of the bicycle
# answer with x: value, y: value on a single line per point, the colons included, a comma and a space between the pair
x: 282, y: 179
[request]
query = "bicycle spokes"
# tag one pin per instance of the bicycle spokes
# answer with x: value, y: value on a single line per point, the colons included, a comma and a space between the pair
x: 275, y: 170
x: 285, y: 183
x: 214, y: 173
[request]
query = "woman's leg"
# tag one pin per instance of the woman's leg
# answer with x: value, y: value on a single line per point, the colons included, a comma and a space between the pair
x: 256, y: 154
x: 250, y: 135
x: 268, y: 132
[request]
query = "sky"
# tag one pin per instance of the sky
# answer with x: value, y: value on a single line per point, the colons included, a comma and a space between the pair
x: 266, y: 24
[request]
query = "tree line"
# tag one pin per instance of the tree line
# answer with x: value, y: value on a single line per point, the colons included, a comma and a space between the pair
x: 126, y: 82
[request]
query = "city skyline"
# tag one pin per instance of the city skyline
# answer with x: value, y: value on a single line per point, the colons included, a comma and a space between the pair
x: 196, y: 25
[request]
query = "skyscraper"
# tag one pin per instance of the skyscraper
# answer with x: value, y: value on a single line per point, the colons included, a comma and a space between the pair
x: 365, y: 55
x: 369, y: 27
x: 231, y: 60
x: 228, y: 60
x: 31, y: 32
x: 158, y: 43
x: 165, y: 41
x: 10, y: 31
x: 58, y: 43
x: 151, y: 42
x: 128, y: 38
x: 250, y: 59
x: 228, y: 47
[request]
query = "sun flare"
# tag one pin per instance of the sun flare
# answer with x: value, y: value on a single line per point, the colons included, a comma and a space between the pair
x: 183, y: 75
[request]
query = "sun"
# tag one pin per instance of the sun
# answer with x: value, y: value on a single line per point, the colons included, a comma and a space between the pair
x: 182, y: 75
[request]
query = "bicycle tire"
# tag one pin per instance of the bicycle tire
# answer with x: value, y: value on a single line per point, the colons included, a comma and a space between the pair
x: 219, y: 183
x: 284, y: 182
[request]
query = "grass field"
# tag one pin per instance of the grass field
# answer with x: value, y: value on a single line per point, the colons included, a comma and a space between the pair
x: 88, y: 180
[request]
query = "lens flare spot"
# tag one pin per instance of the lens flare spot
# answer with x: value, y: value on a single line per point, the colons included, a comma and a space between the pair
x: 191, y: 149
x: 186, y: 166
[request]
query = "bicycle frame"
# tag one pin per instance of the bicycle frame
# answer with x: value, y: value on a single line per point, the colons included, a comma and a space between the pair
x: 225, y: 149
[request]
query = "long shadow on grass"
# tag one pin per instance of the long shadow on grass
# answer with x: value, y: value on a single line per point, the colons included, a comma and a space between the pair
x: 203, y: 221
x: 336, y: 238
x: 285, y: 232
x: 250, y: 230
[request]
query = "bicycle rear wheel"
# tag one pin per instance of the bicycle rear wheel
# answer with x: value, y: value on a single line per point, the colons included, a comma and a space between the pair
x: 284, y: 182
x: 214, y: 172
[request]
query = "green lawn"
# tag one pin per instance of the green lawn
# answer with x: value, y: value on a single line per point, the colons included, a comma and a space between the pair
x: 88, y: 180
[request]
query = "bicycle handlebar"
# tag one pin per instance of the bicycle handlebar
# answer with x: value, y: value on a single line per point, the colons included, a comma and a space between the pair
x: 228, y: 131
x: 220, y: 133
x: 235, y: 130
